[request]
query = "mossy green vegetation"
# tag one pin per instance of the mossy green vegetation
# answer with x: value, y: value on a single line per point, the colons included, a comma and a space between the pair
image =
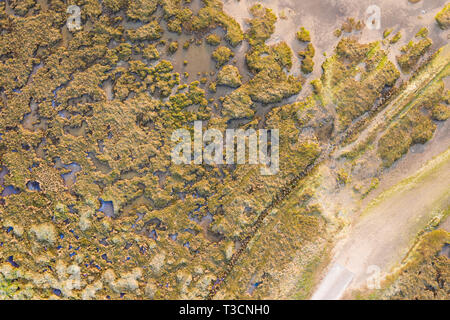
x: 443, y: 17
x: 412, y: 52
x: 354, y: 96
x: 99, y: 152
x: 261, y: 26
x: 142, y: 10
x: 269, y: 64
x: 396, y: 38
x: 222, y: 55
x: 424, y: 273
x: 387, y: 32
x: 229, y: 76
x: 307, y: 64
x: 212, y: 15
x: 150, y: 52
x: 415, y: 126
x: 343, y: 176
x: 213, y: 39
x: 149, y: 31
x: 303, y: 35
x: 173, y: 47
x: 422, y: 33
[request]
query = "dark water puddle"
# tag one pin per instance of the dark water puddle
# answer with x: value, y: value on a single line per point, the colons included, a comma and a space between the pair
x: 102, y: 166
x: 12, y: 262
x: 107, y: 207
x: 445, y: 251
x: 64, y: 114
x: 76, y: 131
x: 205, y: 222
x: 34, y: 165
x: 32, y: 121
x: 9, y: 190
x: 3, y: 173
x: 57, y: 292
x: 253, y: 286
x: 136, y: 203
x: 70, y: 177
x: 33, y: 186
x: 173, y: 236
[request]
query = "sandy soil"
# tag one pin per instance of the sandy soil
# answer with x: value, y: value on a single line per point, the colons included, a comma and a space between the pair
x: 385, y: 231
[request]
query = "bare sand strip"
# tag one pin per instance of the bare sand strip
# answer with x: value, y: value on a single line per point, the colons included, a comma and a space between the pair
x: 387, y: 228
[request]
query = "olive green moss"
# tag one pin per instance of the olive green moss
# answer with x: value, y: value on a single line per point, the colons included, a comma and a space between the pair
x: 261, y: 26
x: 213, y: 39
x: 413, y: 128
x: 173, y: 47
x: 387, y: 32
x: 425, y: 274
x: 396, y: 38
x: 303, y: 35
x: 307, y: 63
x: 141, y: 10
x: 412, y: 52
x: 222, y: 55
x: 229, y: 76
x: 150, y: 53
x: 443, y: 17
x: 212, y: 15
x: 355, y: 97
x: 149, y: 31
x: 422, y: 33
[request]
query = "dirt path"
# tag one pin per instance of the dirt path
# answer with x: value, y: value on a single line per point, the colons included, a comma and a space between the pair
x: 386, y: 229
